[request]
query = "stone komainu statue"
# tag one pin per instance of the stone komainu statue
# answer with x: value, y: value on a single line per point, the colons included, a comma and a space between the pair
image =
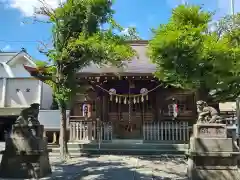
x: 207, y: 113
x: 29, y: 115
x: 26, y: 151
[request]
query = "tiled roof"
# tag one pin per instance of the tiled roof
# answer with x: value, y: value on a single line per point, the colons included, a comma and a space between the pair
x: 139, y: 64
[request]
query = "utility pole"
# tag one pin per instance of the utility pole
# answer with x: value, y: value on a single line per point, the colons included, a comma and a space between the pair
x: 232, y: 2
x: 238, y: 98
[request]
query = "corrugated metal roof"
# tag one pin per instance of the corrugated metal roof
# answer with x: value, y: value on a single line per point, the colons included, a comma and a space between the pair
x: 139, y: 64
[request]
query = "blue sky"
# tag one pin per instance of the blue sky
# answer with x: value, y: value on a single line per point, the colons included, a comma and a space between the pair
x: 143, y: 14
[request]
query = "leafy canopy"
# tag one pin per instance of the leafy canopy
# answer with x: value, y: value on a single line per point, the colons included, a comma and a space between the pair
x: 229, y: 27
x: 79, y: 39
x: 187, y: 55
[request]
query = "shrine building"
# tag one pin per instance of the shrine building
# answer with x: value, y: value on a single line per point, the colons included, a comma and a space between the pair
x: 129, y: 104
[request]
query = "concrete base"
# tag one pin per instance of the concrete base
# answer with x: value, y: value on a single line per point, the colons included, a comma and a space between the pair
x: 25, y: 166
x: 211, y: 173
x: 212, y: 154
x: 206, y: 174
x: 26, y: 153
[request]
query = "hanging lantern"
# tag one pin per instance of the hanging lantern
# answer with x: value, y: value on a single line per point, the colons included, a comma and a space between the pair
x: 173, y: 109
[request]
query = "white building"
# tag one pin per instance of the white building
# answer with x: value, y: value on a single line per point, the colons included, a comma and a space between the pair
x: 17, y: 88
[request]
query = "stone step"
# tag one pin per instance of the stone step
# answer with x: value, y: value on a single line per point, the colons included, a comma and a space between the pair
x: 125, y: 149
x: 146, y: 146
x: 121, y: 152
x: 136, y: 154
x: 127, y: 141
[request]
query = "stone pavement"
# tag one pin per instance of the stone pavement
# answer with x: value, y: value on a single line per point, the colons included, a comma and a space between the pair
x: 111, y: 167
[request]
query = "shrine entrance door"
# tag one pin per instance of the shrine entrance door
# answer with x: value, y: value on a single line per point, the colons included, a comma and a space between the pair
x: 126, y: 120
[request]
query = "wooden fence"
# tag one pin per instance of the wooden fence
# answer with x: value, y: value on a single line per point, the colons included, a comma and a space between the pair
x: 152, y: 131
x: 166, y: 131
x: 90, y: 130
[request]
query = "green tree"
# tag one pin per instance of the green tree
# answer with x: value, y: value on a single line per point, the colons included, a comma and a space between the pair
x: 78, y: 39
x: 229, y: 27
x: 187, y: 55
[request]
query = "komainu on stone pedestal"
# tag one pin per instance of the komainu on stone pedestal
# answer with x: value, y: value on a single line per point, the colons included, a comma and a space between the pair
x: 207, y: 114
x: 26, y: 154
x: 212, y: 155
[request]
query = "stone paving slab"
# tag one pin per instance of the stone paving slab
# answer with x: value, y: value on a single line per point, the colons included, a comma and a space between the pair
x: 118, y: 168
x: 110, y: 167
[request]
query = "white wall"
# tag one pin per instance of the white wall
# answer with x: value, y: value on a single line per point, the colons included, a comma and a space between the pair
x: 13, y: 72
x: 3, y: 72
x: 1, y: 93
x: 39, y: 93
x: 50, y: 118
x: 227, y: 106
x: 18, y: 70
x: 47, y: 97
x: 17, y: 95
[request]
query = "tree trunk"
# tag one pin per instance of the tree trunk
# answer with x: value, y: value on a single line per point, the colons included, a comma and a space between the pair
x: 63, y: 133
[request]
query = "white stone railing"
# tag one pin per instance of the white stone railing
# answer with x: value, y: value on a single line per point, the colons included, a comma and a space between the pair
x: 106, y: 131
x: 166, y: 131
x: 90, y: 130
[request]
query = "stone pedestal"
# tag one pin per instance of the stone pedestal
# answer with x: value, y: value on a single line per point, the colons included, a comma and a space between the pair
x: 26, y: 153
x: 211, y: 154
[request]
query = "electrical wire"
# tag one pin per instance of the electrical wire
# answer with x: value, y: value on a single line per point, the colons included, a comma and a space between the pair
x: 15, y: 41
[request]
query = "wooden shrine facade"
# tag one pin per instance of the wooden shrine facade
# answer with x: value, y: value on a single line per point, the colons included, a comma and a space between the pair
x: 128, y: 103
x: 130, y: 107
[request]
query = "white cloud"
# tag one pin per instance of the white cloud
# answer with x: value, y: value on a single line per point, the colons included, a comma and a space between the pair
x: 212, y: 27
x: 125, y: 31
x: 175, y: 3
x: 6, y: 48
x: 26, y: 7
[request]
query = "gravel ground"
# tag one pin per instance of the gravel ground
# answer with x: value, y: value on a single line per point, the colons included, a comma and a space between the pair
x: 111, y: 167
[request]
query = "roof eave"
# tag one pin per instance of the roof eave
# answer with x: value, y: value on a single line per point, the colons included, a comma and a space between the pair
x: 23, y: 54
